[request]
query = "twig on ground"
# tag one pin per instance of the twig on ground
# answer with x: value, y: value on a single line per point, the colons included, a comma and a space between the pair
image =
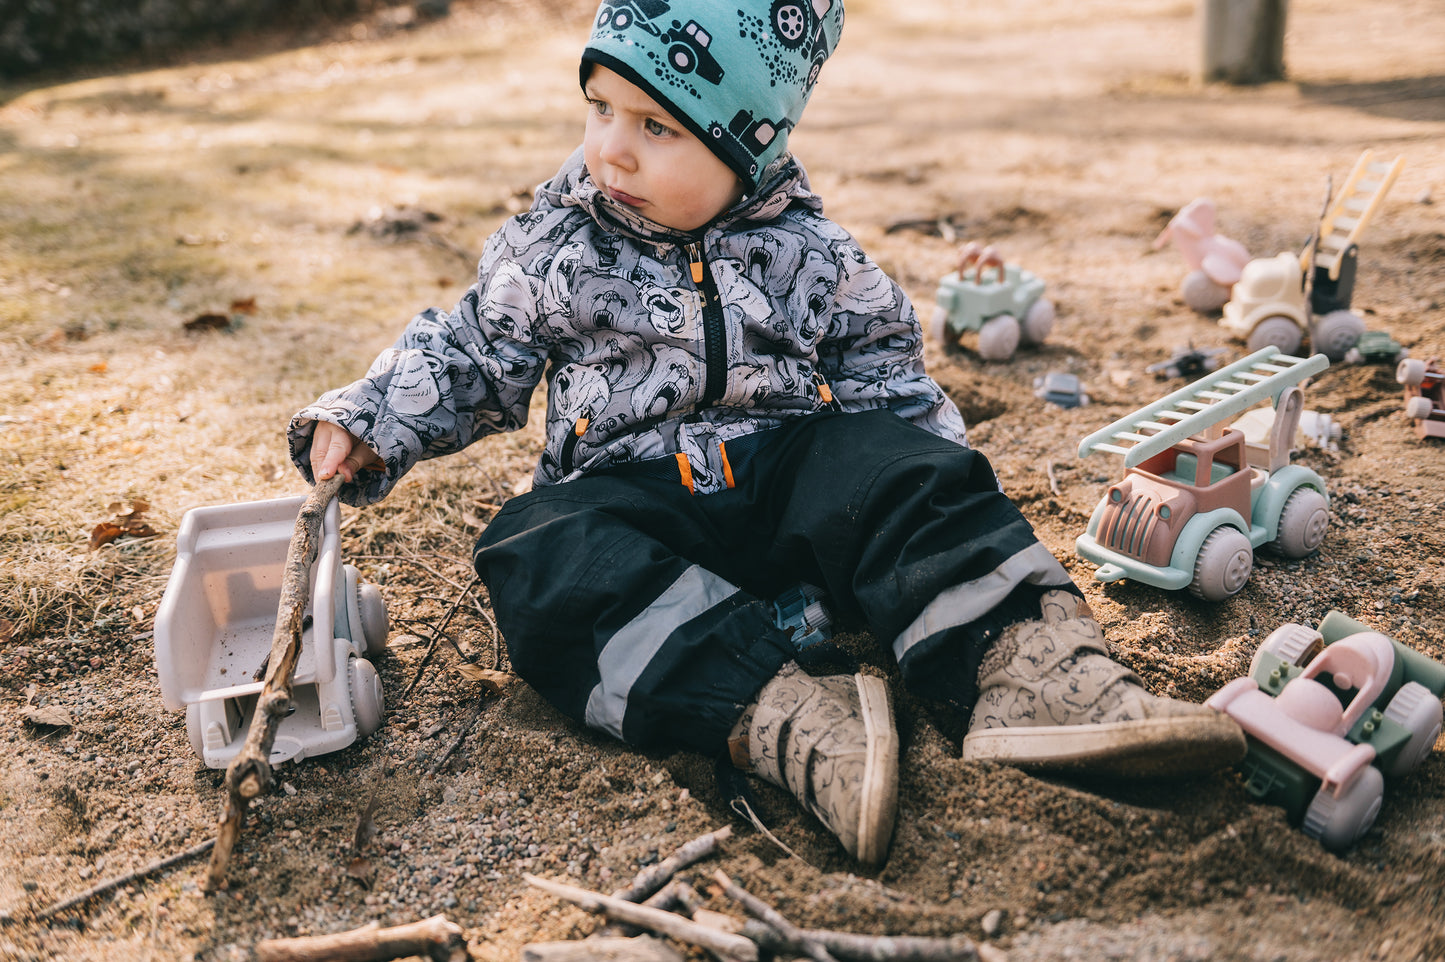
x: 119, y: 880
x: 651, y: 879
x: 762, y: 910
x: 249, y: 773
x: 643, y: 948
x: 436, y: 938
x: 1053, y: 479
x: 440, y: 630
x: 867, y: 948
x: 732, y: 948
x: 471, y: 720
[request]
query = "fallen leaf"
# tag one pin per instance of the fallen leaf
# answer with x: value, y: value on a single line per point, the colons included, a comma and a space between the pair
x: 245, y: 305
x: 104, y: 533
x: 53, y: 716
x: 366, y: 824
x: 360, y: 869
x: 99, y: 367
x: 208, y: 322
x: 491, y: 679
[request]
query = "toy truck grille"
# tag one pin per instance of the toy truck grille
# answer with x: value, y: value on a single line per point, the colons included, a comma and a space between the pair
x: 1128, y: 522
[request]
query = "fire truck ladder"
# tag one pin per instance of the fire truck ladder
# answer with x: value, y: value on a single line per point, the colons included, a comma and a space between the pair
x: 1209, y: 401
x: 1350, y: 212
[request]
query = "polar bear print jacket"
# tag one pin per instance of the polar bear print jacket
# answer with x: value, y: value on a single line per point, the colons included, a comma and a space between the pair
x: 654, y: 344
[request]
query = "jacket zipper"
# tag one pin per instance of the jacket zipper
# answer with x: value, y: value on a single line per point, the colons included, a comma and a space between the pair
x: 714, y: 332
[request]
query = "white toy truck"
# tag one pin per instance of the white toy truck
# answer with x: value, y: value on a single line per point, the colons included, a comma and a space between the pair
x: 1196, y: 499
x: 1270, y: 303
x: 217, y: 616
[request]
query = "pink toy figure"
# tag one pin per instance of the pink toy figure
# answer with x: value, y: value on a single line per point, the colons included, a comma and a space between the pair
x: 1214, y: 262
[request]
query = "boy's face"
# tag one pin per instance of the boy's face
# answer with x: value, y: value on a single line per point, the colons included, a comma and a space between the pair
x: 645, y: 159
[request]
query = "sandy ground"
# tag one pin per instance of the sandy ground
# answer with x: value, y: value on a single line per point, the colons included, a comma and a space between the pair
x: 1066, y: 133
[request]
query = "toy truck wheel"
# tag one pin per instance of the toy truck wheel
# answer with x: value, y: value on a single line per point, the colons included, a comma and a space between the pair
x: 1339, y: 822
x: 938, y: 329
x: 366, y: 700
x: 1290, y: 642
x: 1202, y: 294
x: 1418, y: 408
x: 193, y: 729
x: 375, y: 624
x: 1410, y: 372
x: 1039, y: 321
x: 1335, y: 333
x: 1223, y: 565
x: 998, y: 338
x: 1302, y: 523
x: 1277, y: 331
x: 1418, y: 711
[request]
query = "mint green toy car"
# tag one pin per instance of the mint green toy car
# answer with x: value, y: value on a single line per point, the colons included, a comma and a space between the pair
x: 1002, y: 303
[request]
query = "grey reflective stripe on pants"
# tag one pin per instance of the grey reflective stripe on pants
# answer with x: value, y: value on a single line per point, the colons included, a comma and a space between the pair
x: 970, y: 601
x: 628, y: 653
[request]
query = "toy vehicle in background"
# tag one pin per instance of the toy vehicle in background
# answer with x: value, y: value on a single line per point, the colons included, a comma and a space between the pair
x: 1270, y: 303
x: 214, y: 626
x: 1327, y: 714
x: 1214, y: 261
x: 1192, y: 505
x: 1376, y: 347
x: 1003, y: 303
x: 1424, y: 395
x: 1187, y: 361
x: 1061, y: 388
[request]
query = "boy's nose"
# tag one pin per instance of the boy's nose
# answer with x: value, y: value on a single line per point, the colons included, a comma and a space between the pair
x: 617, y: 147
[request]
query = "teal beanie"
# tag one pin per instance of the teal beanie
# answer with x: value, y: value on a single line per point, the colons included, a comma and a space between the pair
x: 736, y: 72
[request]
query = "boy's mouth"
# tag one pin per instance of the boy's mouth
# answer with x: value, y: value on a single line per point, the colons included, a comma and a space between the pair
x: 622, y: 197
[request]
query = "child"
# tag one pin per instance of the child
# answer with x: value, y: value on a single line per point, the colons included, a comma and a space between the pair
x: 736, y: 405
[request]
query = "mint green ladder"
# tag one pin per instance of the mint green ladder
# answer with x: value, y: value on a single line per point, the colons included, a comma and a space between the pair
x: 1221, y: 395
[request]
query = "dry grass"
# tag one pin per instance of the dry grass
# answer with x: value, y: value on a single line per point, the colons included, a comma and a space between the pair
x: 137, y: 206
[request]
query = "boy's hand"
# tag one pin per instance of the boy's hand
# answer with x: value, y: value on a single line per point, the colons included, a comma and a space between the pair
x: 334, y: 449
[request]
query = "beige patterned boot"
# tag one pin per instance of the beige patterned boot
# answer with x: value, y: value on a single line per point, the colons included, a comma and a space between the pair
x: 1051, y: 698
x: 831, y: 742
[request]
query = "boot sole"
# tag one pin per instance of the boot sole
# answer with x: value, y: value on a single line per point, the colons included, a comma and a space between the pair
x: 879, y: 806
x: 1147, y: 748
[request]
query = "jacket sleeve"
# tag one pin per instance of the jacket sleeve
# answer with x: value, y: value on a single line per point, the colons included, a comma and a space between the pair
x: 450, y: 379
x: 872, y: 354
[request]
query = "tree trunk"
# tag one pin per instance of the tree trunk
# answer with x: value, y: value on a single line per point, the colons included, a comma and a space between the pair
x: 1242, y: 40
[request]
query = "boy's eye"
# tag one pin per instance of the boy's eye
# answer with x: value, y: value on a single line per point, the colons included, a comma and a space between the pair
x: 657, y: 129
x: 602, y: 107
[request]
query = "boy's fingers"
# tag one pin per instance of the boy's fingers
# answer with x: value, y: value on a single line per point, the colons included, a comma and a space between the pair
x: 333, y: 458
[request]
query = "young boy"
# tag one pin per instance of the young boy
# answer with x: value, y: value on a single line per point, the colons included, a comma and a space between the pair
x: 736, y: 405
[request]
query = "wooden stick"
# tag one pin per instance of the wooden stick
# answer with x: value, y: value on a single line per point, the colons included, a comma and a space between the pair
x: 249, y: 773
x: 119, y: 880
x: 732, y: 948
x: 762, y: 910
x: 436, y: 938
x: 643, y: 948
x: 867, y: 948
x: 654, y: 877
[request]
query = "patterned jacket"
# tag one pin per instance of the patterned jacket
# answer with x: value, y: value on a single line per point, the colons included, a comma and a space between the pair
x: 654, y: 344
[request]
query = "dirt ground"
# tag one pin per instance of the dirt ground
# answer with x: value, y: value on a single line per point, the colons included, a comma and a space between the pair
x: 315, y: 195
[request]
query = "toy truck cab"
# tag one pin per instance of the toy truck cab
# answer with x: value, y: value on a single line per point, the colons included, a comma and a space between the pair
x: 1193, y: 503
x: 216, y: 619
x: 1326, y: 714
x: 1002, y: 303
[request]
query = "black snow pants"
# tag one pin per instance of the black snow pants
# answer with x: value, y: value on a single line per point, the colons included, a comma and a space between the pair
x: 645, y: 611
